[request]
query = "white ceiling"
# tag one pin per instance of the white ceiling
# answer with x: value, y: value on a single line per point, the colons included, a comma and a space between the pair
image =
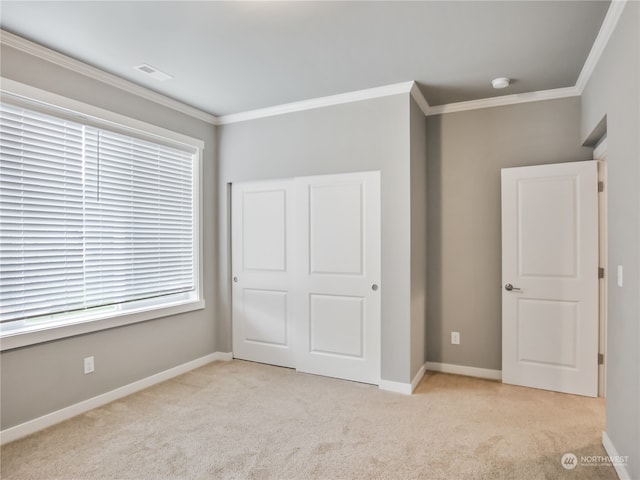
x: 230, y: 57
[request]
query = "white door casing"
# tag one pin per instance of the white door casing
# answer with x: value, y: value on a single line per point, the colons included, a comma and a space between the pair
x: 600, y: 154
x: 306, y: 274
x: 550, y: 258
x: 262, y: 261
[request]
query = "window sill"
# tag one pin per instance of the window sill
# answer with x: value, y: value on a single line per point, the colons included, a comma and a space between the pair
x: 48, y: 332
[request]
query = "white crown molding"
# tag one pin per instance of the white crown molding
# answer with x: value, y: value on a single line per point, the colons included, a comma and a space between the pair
x: 417, y: 95
x: 504, y: 100
x: 341, y: 98
x: 606, y: 29
x: 77, y: 66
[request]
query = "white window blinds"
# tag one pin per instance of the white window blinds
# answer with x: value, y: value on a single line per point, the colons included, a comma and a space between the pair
x: 90, y: 217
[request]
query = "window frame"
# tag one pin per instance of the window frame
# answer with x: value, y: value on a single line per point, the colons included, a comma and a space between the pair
x: 60, y: 106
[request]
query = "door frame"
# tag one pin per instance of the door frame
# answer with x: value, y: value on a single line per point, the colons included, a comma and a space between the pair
x: 600, y: 154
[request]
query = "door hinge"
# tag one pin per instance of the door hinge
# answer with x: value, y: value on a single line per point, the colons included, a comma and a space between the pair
x: 600, y: 272
x: 600, y: 186
x: 601, y: 359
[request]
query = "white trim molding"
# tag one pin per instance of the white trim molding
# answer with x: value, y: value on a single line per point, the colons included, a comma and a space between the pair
x: 403, y: 388
x: 620, y: 467
x: 600, y: 152
x: 32, y: 94
x: 418, y: 377
x: 504, y: 100
x: 24, y: 45
x: 319, y: 102
x: 464, y: 370
x: 604, y: 34
x: 417, y: 95
x: 396, y: 387
x: 606, y: 29
x: 27, y: 428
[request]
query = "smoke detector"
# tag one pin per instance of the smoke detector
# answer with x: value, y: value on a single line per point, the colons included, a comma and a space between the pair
x: 153, y: 72
x: 500, y: 82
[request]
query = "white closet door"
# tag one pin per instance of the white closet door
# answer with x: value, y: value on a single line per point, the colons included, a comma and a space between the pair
x: 262, y: 272
x: 338, y: 276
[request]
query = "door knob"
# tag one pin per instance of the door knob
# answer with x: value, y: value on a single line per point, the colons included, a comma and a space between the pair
x: 374, y: 287
x: 508, y: 287
x: 235, y: 279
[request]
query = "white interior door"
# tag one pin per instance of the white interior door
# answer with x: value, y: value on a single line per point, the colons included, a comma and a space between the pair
x: 262, y: 261
x: 550, y: 277
x: 338, y: 274
x: 306, y: 274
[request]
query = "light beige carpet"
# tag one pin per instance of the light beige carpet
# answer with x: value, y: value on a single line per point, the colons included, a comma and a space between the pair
x: 241, y: 420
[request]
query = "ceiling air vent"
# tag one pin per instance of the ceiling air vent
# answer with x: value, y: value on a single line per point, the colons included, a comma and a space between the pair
x: 153, y: 72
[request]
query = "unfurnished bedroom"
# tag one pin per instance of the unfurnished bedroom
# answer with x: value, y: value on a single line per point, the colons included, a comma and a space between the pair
x: 319, y: 240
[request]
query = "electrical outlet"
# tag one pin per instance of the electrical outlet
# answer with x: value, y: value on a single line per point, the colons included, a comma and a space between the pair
x: 455, y: 338
x: 88, y: 365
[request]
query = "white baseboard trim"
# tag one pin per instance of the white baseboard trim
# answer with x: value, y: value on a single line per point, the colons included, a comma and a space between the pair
x: 404, y: 388
x: 464, y: 370
x: 396, y: 387
x: 416, y: 380
x: 32, y: 426
x: 620, y: 468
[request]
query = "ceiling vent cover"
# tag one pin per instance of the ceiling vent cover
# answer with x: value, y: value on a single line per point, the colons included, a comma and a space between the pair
x: 153, y: 72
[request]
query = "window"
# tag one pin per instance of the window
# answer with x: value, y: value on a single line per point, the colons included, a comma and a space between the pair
x: 97, y: 222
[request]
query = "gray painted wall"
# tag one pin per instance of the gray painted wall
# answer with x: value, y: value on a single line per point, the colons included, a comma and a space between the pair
x: 466, y: 151
x: 418, y: 142
x: 40, y: 379
x: 614, y: 91
x: 360, y: 136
